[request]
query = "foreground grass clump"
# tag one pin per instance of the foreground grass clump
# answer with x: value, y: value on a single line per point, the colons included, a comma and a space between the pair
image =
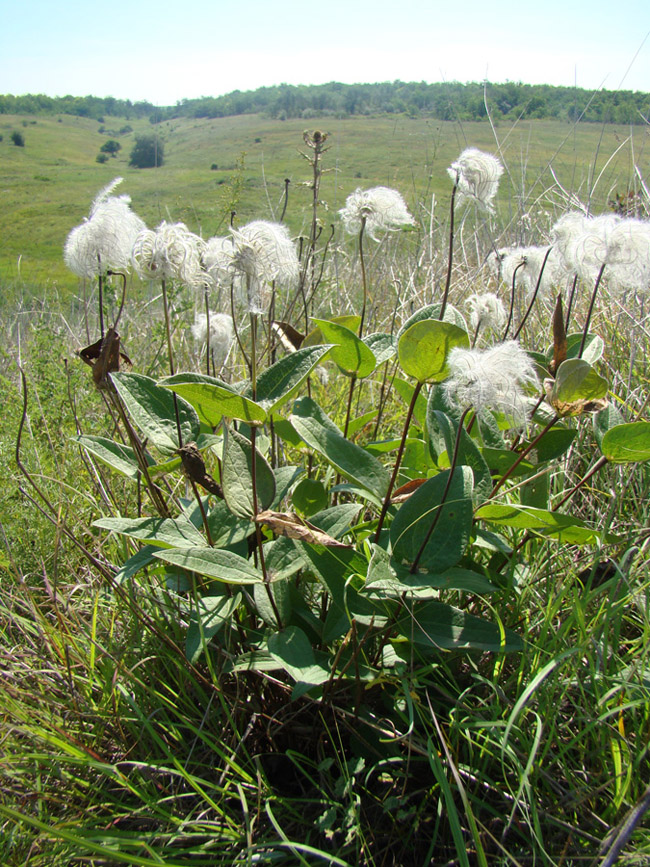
x: 332, y: 551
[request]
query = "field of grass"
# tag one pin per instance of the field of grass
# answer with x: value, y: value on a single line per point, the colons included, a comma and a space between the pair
x: 492, y: 711
x: 47, y: 185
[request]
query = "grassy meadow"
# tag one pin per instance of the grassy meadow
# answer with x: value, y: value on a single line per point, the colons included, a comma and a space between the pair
x: 47, y: 185
x: 341, y: 704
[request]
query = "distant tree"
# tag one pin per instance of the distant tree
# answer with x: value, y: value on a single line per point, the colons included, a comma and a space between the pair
x: 147, y: 152
x: 18, y: 139
x: 111, y: 147
x: 101, y: 158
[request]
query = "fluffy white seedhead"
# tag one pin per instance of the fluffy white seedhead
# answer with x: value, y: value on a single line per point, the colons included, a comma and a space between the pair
x: 493, y: 379
x: 486, y: 311
x: 477, y: 174
x: 170, y: 252
x: 262, y: 254
x: 524, y: 264
x: 222, y: 333
x: 622, y: 245
x: 218, y: 260
x: 628, y: 256
x: 383, y: 209
x: 103, y: 241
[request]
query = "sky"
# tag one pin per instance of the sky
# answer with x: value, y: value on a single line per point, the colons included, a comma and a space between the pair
x: 164, y: 52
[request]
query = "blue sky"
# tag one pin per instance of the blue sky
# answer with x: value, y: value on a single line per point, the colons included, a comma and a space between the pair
x: 164, y: 52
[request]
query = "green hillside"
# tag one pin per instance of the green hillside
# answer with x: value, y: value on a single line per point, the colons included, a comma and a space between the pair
x: 48, y: 184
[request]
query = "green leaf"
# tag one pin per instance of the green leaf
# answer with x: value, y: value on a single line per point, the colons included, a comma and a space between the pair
x: 627, y: 443
x: 286, y: 431
x: 423, y: 349
x: 337, y: 520
x: 385, y: 575
x: 432, y: 311
x: 280, y: 382
x: 152, y: 409
x: 565, y: 528
x: 500, y: 460
x: 350, y: 352
x: 208, y: 616
x: 212, y: 401
x: 309, y: 496
x: 450, y: 537
x: 237, y: 479
x: 285, y: 479
x: 117, y: 456
x: 552, y: 445
x: 605, y: 420
x: 383, y: 346
x: 227, y: 529
x: 468, y: 452
x: 321, y: 434
x: 316, y: 336
x: 536, y: 492
x: 280, y: 589
x: 442, y: 627
x: 292, y: 650
x: 576, y: 387
x: 593, y: 349
x: 213, y: 563
x: 405, y: 390
x: 164, y: 532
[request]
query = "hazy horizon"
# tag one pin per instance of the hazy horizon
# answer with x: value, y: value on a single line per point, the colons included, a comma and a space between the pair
x: 152, y: 50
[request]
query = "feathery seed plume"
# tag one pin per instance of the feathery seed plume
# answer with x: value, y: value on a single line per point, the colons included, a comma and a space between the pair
x: 528, y: 262
x: 492, y: 379
x: 222, y: 333
x: 477, y: 174
x: 170, y: 252
x: 104, y: 240
x: 486, y: 311
x: 262, y: 253
x: 383, y: 208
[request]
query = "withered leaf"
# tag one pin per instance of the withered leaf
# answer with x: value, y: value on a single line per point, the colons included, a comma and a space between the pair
x: 404, y: 492
x: 104, y: 357
x: 194, y: 469
x: 290, y: 525
x: 289, y: 336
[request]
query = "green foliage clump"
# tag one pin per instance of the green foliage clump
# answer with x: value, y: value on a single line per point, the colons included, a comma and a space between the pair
x: 147, y: 152
x: 111, y: 147
x: 18, y: 139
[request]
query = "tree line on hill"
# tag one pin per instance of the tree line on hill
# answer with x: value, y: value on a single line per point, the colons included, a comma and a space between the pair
x: 443, y: 101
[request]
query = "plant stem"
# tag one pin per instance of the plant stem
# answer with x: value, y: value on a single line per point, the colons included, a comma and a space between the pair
x: 398, y: 460
x: 585, y: 331
x: 445, y: 493
x: 450, y: 256
x: 523, y: 455
x: 364, y: 282
x: 512, y: 300
x: 258, y: 530
x: 533, y: 299
x: 570, y: 304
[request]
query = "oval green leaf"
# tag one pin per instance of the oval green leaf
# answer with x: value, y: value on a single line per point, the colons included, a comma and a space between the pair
x: 424, y: 348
